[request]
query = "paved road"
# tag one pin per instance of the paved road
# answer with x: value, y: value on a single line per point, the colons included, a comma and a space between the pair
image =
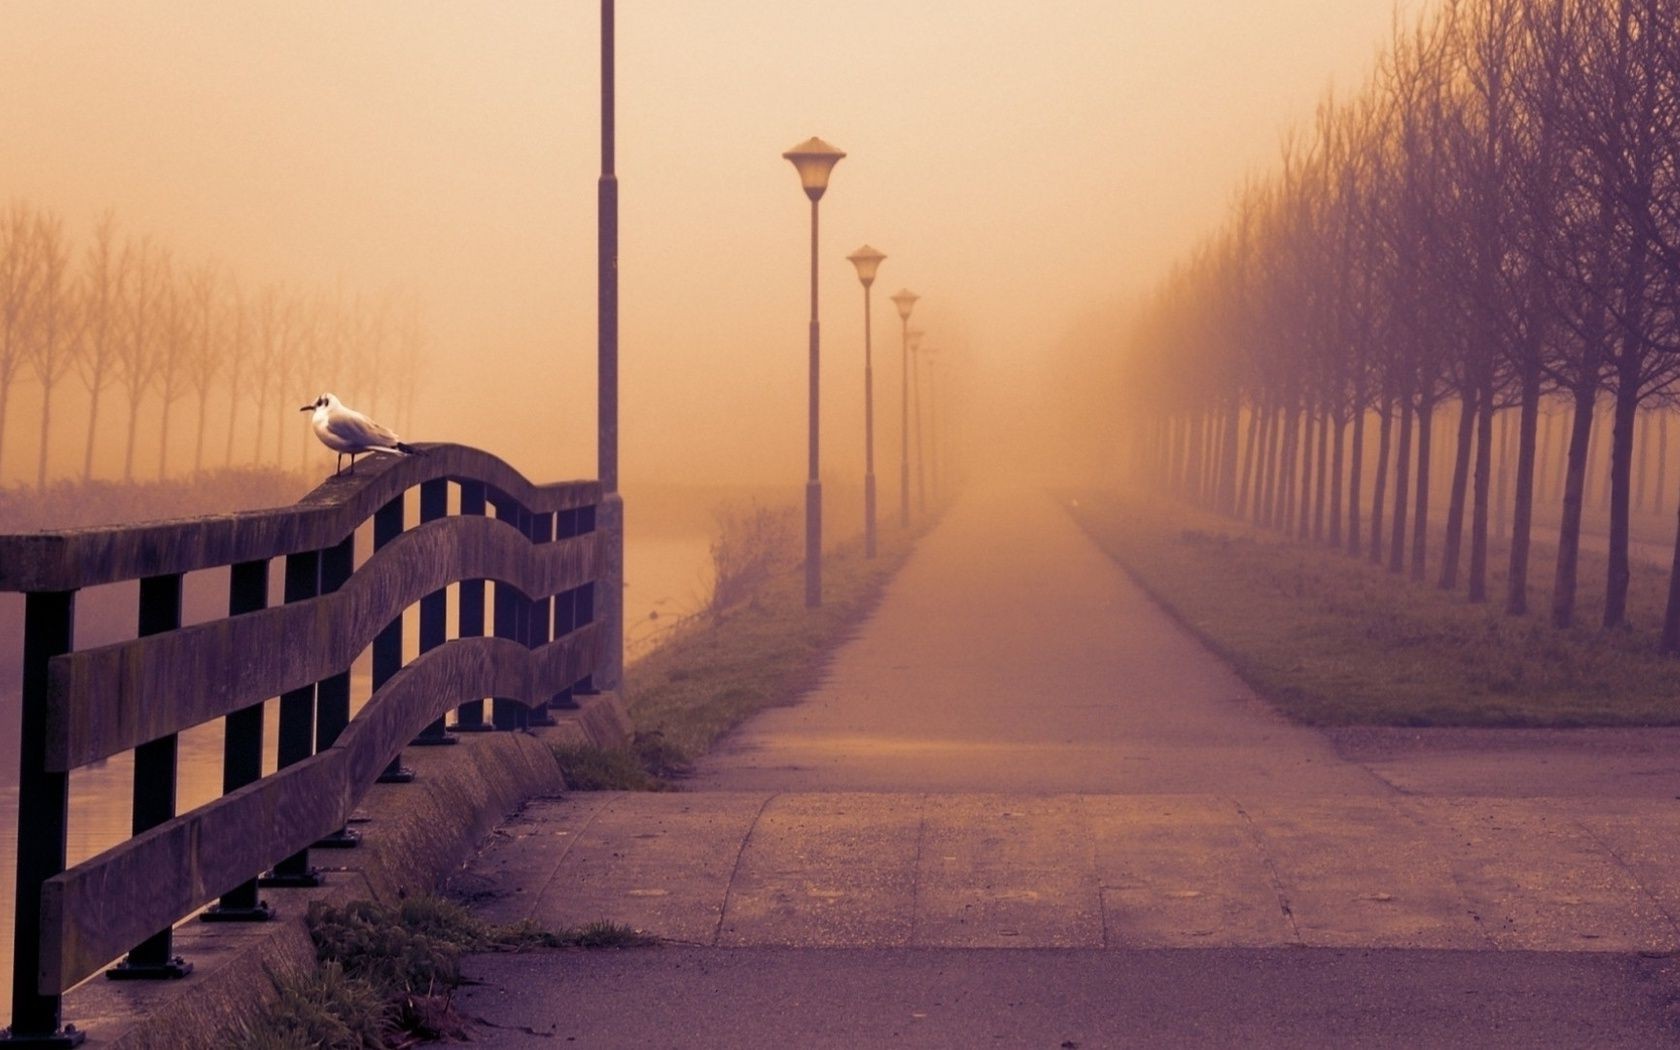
x: 1020, y: 751
x: 1011, y: 654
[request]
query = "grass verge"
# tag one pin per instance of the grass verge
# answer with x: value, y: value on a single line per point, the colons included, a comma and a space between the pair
x: 387, y: 974
x: 1332, y: 640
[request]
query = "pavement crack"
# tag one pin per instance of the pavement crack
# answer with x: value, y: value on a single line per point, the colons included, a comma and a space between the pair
x: 729, y: 887
x: 1610, y: 851
x: 571, y: 840
x: 1272, y: 873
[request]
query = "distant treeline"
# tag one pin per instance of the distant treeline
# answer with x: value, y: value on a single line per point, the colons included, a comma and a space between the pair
x: 136, y: 328
x: 1491, y: 224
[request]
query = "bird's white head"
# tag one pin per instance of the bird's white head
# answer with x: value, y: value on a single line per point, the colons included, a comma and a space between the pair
x: 324, y: 401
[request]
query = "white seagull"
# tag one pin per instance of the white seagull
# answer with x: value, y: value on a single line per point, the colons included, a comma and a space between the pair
x: 345, y: 430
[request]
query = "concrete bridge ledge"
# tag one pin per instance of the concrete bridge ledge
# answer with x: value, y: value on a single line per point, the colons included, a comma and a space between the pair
x: 414, y: 836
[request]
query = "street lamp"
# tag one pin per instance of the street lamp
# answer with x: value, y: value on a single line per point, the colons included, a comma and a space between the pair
x: 905, y: 300
x: 916, y: 396
x: 813, y: 159
x: 868, y: 260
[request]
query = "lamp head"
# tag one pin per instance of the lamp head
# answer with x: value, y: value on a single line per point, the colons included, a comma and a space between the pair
x: 814, y: 159
x: 905, y: 299
x: 867, y: 260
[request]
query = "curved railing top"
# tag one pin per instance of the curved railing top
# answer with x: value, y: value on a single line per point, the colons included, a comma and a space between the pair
x: 75, y: 558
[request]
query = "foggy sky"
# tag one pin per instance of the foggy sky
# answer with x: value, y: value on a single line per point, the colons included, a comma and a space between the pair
x: 1020, y: 164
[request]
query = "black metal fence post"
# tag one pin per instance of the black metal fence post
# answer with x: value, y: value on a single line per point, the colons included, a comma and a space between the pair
x: 154, y: 789
x: 332, y: 695
x: 49, y: 627
x: 504, y: 712
x: 434, y: 607
x: 388, y: 643
x: 297, y: 720
x: 469, y: 617
x: 242, y: 745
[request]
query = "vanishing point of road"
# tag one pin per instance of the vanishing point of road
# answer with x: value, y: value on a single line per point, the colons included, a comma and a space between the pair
x: 1026, y: 809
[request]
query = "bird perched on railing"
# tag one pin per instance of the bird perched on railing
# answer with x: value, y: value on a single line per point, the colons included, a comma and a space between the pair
x: 347, y: 431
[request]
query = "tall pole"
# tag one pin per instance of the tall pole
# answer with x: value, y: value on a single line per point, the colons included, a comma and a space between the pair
x: 813, y: 485
x: 904, y: 425
x: 868, y: 428
x: 933, y: 425
x: 609, y: 669
x: 921, y: 460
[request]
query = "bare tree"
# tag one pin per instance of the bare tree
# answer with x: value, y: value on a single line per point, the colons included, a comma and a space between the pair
x: 20, y: 277
x: 205, y: 345
x: 148, y: 273
x: 56, y: 328
x: 104, y: 273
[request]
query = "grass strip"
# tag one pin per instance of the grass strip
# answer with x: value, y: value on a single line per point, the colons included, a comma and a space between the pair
x: 1334, y: 640
x: 722, y: 668
x: 387, y: 974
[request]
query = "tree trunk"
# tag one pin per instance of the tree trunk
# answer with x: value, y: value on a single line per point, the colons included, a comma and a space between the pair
x: 1264, y: 469
x: 1337, y: 465
x: 1484, y: 481
x: 1455, y: 498
x: 133, y: 427
x: 1543, y: 458
x: 1522, y: 503
x: 5, y: 416
x: 1356, y: 471
x: 46, y: 418
x: 1662, y: 460
x: 1245, y: 476
x: 1379, y: 489
x: 1569, y: 526
x: 1502, y: 478
x: 1309, y: 469
x: 163, y: 437
x: 257, y: 433
x: 1228, y: 458
x: 198, y: 442
x: 1641, y: 464
x: 92, y: 432
x: 1402, y: 476
x: 1420, y: 524
x: 1319, y: 481
x: 1621, y: 477
x: 1671, y: 615
x: 1285, y: 517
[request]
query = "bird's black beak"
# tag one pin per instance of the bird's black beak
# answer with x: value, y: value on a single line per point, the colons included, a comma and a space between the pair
x: 307, y: 408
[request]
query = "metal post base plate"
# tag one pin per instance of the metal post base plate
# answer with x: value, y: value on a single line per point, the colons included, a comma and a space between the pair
x: 173, y: 970
x: 432, y: 741
x: 399, y: 775
x: 343, y: 838
x: 473, y: 727
x: 62, y: 1039
x: 216, y: 913
x: 291, y: 880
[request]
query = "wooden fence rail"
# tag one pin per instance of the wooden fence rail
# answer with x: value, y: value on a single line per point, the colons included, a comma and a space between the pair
x: 539, y: 554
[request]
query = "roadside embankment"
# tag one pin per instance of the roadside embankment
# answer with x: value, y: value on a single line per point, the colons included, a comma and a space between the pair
x: 1334, y: 640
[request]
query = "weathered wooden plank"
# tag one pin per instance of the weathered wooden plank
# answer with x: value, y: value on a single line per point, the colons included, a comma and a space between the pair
x: 94, y: 911
x: 105, y: 700
x: 78, y: 558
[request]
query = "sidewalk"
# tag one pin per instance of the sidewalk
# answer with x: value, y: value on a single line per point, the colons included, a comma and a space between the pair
x: 1020, y: 751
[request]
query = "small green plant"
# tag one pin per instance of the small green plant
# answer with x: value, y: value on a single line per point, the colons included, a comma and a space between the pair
x: 387, y: 973
x: 589, y: 768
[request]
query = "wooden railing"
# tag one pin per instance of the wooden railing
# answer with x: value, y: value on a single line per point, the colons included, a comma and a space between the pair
x: 79, y: 706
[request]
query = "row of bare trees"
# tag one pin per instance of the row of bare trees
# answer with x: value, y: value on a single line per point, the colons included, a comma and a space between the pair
x: 123, y: 318
x: 1492, y: 224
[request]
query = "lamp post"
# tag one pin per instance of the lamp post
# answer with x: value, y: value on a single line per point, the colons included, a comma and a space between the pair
x: 868, y: 260
x: 905, y: 300
x: 610, y: 522
x: 916, y: 396
x: 930, y: 365
x: 813, y: 159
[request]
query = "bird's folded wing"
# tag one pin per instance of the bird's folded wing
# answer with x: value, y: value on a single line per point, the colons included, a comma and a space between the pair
x: 358, y: 429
